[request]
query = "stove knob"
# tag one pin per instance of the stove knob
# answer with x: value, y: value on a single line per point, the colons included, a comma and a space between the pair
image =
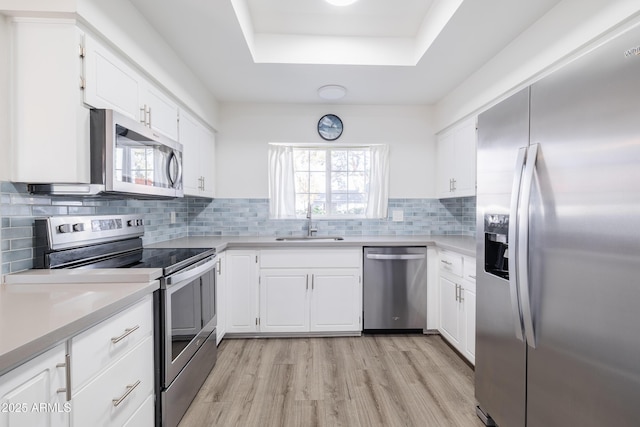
x: 78, y: 227
x: 65, y: 228
x: 130, y: 223
x: 139, y: 222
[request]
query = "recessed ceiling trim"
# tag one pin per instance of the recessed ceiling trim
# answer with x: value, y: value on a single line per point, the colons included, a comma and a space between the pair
x: 341, y: 2
x: 284, y: 47
x: 281, y: 49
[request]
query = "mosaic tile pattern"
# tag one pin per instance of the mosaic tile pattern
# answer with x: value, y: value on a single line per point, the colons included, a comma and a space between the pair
x: 218, y: 217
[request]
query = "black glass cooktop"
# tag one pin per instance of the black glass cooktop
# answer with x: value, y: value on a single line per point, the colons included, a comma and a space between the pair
x: 171, y: 259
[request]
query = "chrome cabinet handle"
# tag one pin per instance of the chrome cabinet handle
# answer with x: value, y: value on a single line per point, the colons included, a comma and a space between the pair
x: 126, y: 333
x: 446, y: 262
x: 67, y: 377
x: 523, y: 245
x: 457, y: 292
x: 513, y: 241
x: 313, y: 277
x: 219, y: 267
x: 130, y: 388
x: 307, y: 282
x: 460, y: 297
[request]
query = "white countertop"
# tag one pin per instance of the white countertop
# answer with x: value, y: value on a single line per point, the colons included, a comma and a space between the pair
x: 463, y: 244
x: 36, y: 317
x: 98, y: 275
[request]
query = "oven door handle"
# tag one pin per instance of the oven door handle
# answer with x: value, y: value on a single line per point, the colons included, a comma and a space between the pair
x: 192, y: 271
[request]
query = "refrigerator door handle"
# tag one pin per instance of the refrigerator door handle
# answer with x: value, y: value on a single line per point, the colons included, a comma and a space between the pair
x: 523, y: 244
x: 513, y: 242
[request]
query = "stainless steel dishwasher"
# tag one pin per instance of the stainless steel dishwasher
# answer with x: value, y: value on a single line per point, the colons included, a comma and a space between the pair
x: 395, y: 288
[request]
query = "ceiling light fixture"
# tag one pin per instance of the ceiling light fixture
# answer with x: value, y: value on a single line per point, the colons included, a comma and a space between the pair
x: 332, y: 92
x: 341, y: 2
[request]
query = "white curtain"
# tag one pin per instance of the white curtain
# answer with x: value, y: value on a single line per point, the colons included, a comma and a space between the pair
x: 378, y: 182
x: 282, y: 193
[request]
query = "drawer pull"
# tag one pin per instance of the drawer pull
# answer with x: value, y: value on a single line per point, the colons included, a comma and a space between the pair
x: 445, y: 262
x: 130, y: 388
x: 126, y: 333
x: 67, y: 376
x: 473, y: 277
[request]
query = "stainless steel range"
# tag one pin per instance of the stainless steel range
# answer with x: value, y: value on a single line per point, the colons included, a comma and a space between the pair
x: 185, y: 309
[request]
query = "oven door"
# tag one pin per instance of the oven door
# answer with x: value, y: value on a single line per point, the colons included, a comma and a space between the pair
x: 190, y: 316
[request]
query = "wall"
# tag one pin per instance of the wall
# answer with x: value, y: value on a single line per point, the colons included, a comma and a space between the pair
x: 219, y: 217
x: 246, y: 129
x: 564, y: 31
x: 422, y: 217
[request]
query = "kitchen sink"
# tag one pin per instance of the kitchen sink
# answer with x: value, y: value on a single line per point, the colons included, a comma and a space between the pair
x: 310, y: 238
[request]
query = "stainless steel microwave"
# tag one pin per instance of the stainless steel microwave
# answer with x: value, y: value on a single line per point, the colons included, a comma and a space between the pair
x: 128, y: 159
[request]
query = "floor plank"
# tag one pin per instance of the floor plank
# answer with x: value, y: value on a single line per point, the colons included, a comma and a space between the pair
x: 373, y: 380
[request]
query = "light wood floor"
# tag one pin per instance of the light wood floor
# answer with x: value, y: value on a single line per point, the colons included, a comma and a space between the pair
x: 374, y: 380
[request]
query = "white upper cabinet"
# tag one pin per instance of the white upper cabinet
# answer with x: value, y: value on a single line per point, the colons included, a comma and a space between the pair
x: 49, y: 123
x: 456, y: 156
x: 158, y: 111
x: 198, y: 144
x: 112, y: 83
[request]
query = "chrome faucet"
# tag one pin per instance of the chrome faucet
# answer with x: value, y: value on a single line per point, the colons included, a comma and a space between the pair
x: 310, y: 229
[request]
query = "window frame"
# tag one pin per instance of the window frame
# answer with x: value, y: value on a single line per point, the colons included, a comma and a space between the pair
x: 329, y: 170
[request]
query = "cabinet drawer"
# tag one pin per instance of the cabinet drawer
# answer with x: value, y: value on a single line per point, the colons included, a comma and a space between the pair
x: 451, y: 262
x: 98, y: 347
x: 469, y: 269
x: 117, y: 393
x: 311, y: 258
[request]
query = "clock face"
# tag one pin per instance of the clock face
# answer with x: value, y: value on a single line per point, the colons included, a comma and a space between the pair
x: 330, y: 127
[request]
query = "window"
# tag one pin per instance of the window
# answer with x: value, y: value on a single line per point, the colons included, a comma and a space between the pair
x: 334, y: 181
x: 337, y: 181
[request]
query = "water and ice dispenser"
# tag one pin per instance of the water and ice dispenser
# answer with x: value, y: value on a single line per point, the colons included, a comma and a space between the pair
x: 496, y: 245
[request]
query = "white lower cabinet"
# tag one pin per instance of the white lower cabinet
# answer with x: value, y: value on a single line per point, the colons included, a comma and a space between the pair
x: 34, y: 394
x: 221, y: 296
x: 336, y: 303
x: 457, y: 302
x: 112, y: 369
x: 284, y: 300
x: 106, y: 371
x: 242, y: 291
x: 296, y: 291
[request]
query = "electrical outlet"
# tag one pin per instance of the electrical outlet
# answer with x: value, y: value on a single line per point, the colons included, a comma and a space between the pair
x: 397, y: 215
x: 172, y: 218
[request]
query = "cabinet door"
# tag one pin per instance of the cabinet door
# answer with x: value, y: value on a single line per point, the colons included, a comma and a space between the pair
x: 49, y: 123
x: 162, y: 112
x: 336, y: 300
x: 465, y: 159
x: 284, y: 303
x: 469, y: 303
x: 242, y: 291
x: 35, y: 383
x: 449, y: 311
x: 445, y: 167
x: 190, y: 137
x: 221, y: 297
x: 110, y: 82
x: 207, y: 160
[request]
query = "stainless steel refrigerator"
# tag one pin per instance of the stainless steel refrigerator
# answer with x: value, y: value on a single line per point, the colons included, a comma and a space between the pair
x: 558, y: 220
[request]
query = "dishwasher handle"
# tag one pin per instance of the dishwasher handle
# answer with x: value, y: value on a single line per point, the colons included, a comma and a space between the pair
x: 395, y: 257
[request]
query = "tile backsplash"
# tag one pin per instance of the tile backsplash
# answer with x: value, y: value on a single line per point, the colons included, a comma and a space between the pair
x: 218, y: 217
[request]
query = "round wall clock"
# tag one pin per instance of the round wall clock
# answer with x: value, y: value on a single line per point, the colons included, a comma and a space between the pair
x: 330, y: 127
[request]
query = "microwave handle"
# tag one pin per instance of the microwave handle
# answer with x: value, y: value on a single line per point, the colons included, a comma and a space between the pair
x: 174, y: 182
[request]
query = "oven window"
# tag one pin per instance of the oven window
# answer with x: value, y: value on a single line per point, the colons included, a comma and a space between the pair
x: 186, y: 319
